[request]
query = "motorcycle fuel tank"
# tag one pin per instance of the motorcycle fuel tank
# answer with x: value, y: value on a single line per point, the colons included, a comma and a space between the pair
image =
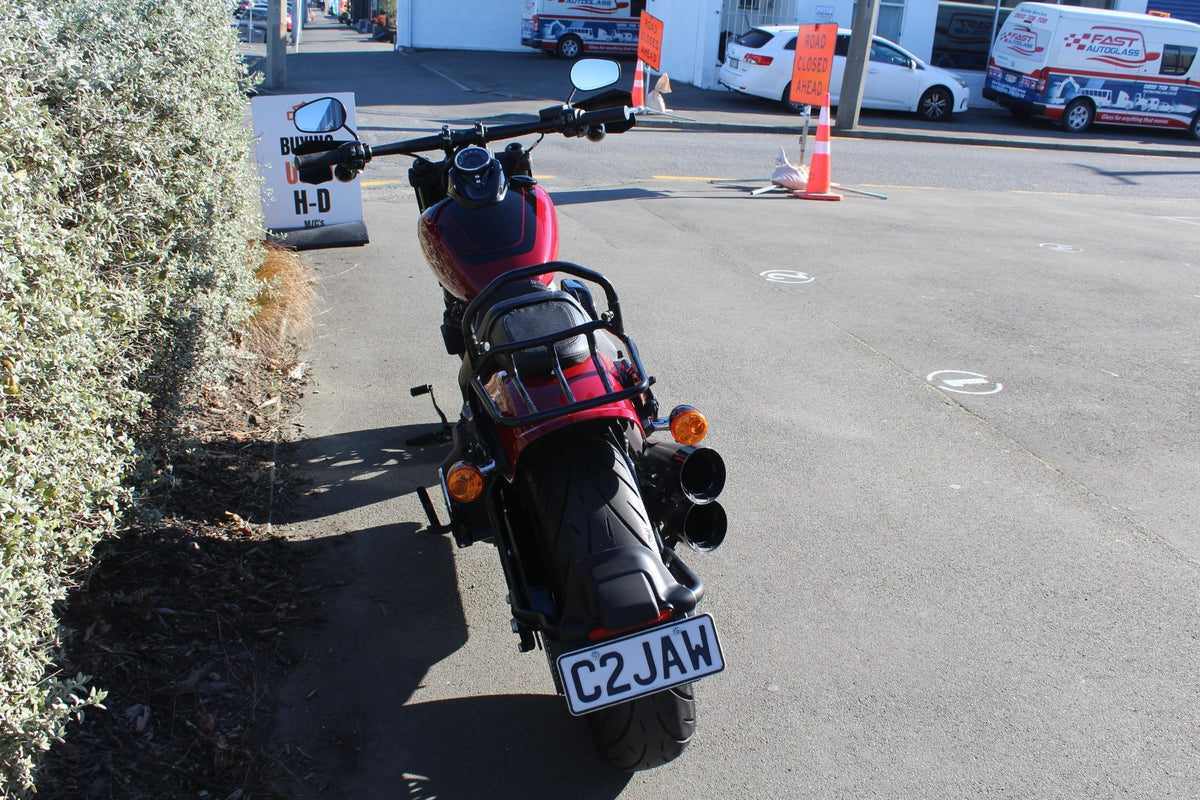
x: 467, y: 248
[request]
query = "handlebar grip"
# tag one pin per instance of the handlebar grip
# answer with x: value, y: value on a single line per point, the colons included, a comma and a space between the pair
x: 605, y: 116
x: 330, y: 158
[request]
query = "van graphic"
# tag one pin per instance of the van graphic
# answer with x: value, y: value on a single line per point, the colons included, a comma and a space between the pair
x: 1120, y: 47
x: 1023, y: 42
x: 598, y: 6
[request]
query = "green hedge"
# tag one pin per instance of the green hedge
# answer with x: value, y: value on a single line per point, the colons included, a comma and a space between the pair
x: 128, y: 220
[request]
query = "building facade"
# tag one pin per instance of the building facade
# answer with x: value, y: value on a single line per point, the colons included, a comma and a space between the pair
x: 952, y: 34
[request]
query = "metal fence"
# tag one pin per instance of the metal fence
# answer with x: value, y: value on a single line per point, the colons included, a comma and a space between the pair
x: 738, y: 16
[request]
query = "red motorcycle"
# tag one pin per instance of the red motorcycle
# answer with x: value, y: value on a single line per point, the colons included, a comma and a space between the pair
x: 552, y: 458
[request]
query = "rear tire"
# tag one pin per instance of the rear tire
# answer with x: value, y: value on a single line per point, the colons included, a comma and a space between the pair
x: 786, y: 99
x: 570, y: 47
x: 647, y: 732
x: 582, y: 494
x: 1194, y: 128
x: 1078, y: 115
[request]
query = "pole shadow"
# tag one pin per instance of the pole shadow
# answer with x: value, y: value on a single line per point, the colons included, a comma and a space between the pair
x: 351, y: 470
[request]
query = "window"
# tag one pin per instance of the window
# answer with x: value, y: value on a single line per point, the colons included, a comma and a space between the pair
x: 890, y: 21
x: 1177, y: 59
x: 885, y: 54
x: 755, y: 38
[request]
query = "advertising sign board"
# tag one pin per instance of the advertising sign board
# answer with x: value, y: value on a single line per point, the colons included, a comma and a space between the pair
x: 296, y: 214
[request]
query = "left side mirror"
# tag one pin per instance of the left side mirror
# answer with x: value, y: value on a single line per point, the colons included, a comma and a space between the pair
x: 320, y: 116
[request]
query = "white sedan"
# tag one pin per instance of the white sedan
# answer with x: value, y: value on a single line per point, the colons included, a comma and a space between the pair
x: 759, y: 62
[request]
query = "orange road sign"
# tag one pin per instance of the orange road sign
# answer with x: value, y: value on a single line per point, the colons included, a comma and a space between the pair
x: 814, y: 63
x: 650, y: 41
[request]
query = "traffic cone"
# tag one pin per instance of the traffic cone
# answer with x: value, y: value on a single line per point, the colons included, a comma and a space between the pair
x: 639, y: 86
x: 819, y: 178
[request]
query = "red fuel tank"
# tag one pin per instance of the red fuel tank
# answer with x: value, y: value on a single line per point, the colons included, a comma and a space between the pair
x: 469, y: 247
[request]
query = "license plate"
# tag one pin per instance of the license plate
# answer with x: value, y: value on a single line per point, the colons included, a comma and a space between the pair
x: 643, y: 663
x: 734, y: 63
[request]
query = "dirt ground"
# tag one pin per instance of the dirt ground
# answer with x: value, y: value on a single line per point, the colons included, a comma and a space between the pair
x: 183, y: 621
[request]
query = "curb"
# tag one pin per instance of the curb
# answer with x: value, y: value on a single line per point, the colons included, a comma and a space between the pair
x: 908, y: 135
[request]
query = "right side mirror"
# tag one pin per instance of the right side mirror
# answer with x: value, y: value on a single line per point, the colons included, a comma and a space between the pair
x: 594, y: 73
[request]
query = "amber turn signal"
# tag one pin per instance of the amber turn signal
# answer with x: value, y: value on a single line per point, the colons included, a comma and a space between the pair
x: 464, y: 482
x: 688, y: 426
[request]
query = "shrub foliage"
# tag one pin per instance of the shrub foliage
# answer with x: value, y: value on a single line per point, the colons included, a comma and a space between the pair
x: 128, y: 211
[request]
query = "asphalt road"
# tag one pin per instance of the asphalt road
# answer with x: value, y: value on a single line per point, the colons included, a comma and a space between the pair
x: 960, y: 425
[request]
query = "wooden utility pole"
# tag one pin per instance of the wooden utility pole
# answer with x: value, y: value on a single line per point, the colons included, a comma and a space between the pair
x: 276, y: 73
x: 861, y: 34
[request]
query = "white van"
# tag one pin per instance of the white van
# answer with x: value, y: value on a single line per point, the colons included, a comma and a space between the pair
x: 1083, y: 65
x: 571, y: 28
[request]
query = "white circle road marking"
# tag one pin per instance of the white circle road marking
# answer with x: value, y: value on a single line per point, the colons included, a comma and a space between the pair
x: 962, y: 382
x: 786, y: 276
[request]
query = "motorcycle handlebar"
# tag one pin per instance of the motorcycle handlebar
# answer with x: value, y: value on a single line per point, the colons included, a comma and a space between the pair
x: 569, y: 124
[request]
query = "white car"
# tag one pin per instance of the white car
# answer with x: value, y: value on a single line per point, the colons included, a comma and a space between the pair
x: 760, y: 61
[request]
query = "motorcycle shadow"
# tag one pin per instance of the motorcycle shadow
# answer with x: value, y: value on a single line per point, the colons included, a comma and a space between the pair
x: 351, y: 470
x: 492, y: 746
x: 387, y: 608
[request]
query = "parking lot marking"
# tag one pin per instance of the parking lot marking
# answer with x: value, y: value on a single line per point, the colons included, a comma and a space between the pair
x: 963, y: 382
x: 1060, y: 248
x: 786, y: 276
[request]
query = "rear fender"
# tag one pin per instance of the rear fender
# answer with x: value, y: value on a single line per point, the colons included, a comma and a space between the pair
x: 630, y: 587
x: 585, y: 383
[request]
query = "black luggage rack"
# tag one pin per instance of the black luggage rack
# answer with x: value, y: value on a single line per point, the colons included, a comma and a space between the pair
x: 486, y: 360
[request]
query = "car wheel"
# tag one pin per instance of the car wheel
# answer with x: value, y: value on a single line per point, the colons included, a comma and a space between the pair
x: 936, y: 104
x: 1078, y: 115
x: 1194, y: 128
x: 570, y: 46
x: 786, y: 99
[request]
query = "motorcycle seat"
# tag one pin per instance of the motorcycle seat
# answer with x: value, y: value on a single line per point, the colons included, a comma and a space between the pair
x: 528, y: 310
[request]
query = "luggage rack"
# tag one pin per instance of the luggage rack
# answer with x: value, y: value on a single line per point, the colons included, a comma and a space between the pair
x: 486, y: 361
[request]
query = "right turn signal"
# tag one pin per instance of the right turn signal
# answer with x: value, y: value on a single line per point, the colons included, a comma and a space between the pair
x: 688, y: 426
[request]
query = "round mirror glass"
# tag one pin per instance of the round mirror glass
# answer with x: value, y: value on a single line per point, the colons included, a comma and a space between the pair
x: 594, y: 73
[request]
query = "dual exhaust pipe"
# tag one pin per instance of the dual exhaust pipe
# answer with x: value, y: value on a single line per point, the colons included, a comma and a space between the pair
x: 680, y: 484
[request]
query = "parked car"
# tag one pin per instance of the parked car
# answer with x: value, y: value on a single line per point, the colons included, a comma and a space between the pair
x: 252, y: 25
x: 760, y: 61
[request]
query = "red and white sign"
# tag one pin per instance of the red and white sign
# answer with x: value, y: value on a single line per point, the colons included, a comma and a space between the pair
x: 288, y: 204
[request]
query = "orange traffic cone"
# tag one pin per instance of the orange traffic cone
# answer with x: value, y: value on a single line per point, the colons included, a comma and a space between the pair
x: 639, y: 86
x: 818, y: 173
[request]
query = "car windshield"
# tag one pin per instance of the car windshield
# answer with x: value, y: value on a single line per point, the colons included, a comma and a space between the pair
x: 754, y: 38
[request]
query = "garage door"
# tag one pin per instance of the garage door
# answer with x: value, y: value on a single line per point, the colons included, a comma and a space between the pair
x: 1178, y: 9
